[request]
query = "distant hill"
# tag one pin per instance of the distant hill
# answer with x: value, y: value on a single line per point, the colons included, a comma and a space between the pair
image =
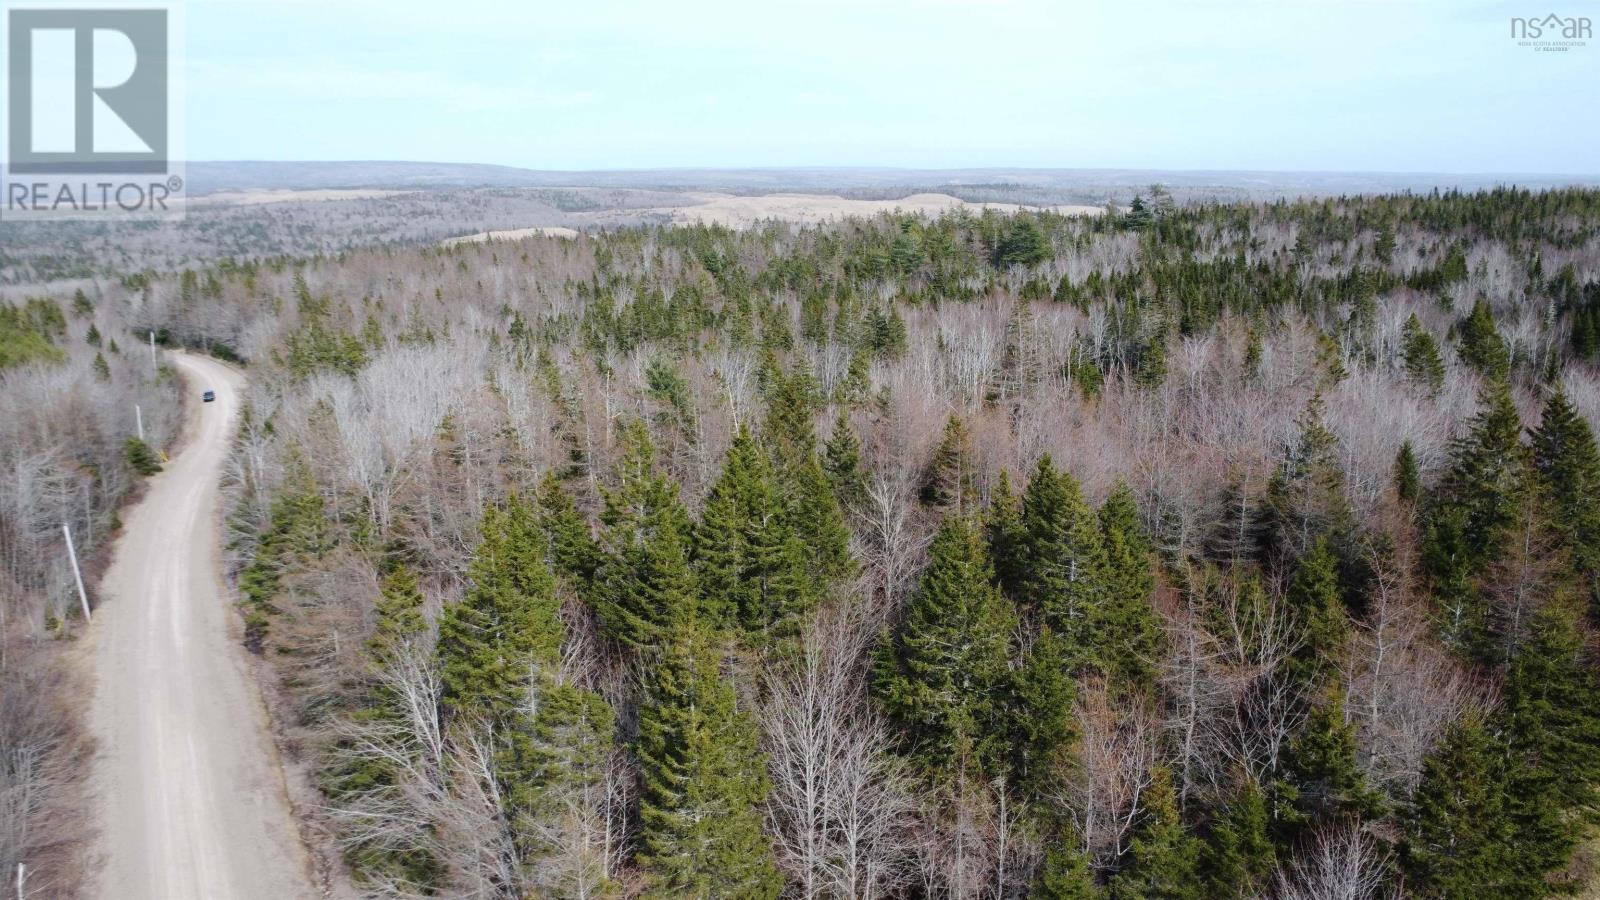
x: 212, y: 177
x: 255, y: 210
x: 1044, y: 185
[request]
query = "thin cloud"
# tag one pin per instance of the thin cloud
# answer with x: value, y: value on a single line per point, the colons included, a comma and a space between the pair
x: 321, y: 80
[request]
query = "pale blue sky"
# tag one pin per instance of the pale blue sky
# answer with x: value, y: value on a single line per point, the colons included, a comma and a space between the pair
x: 1396, y: 85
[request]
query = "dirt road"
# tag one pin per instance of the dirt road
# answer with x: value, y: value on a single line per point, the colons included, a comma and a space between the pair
x: 189, y: 795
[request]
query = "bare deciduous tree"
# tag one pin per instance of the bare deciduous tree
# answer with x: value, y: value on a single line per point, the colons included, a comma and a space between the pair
x: 1116, y: 757
x: 1341, y: 864
x: 840, y: 803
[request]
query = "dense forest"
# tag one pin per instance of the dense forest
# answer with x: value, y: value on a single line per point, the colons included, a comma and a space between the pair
x: 1177, y: 552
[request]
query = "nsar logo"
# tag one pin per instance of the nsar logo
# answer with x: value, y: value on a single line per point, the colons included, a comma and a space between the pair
x: 1552, y: 33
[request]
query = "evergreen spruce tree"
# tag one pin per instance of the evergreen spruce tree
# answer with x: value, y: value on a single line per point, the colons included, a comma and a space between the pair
x: 949, y: 482
x: 1064, y: 560
x: 1452, y: 571
x: 703, y: 780
x: 1240, y: 856
x: 297, y: 530
x: 1022, y: 363
x: 399, y: 629
x: 1384, y: 244
x: 751, y: 566
x: 399, y: 621
x: 570, y: 550
x: 1459, y: 837
x: 644, y: 575
x: 507, y: 626
x: 1407, y: 477
x: 1473, y: 507
x: 889, y: 333
x: 1486, y: 476
x: 1531, y: 568
x: 499, y: 654
x: 1331, y: 356
x: 399, y: 625
x: 1046, y: 726
x: 811, y: 505
x: 1361, y: 327
x: 742, y: 497
x: 139, y: 457
x: 1128, y: 634
x: 1138, y: 217
x: 791, y: 404
x: 1252, y: 354
x: 544, y: 768
x: 1568, y: 464
x: 812, y: 511
x: 1163, y: 860
x: 1237, y: 536
x: 842, y: 463
x: 1481, y: 345
x: 1549, y: 719
x: 1150, y: 368
x: 855, y: 387
x: 1305, y: 497
x: 649, y: 579
x: 1585, y: 340
x: 1065, y: 873
x: 1421, y: 353
x: 944, y: 673
x: 1024, y: 244
x: 1328, y: 785
x: 1319, y: 615
x: 1002, y: 525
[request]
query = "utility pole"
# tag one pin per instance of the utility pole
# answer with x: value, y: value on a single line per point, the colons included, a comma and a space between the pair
x: 138, y: 416
x: 22, y: 881
x: 155, y: 366
x: 77, y: 574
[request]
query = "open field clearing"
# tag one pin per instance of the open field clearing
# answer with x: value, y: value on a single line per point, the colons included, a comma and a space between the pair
x: 742, y: 212
x: 513, y: 234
